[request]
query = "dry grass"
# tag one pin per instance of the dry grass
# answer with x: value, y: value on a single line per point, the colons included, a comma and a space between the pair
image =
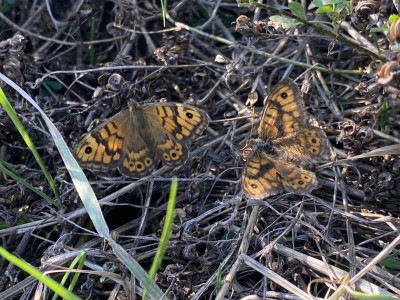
x: 314, y: 243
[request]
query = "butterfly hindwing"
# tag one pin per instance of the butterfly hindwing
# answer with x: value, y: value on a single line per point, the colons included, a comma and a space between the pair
x: 295, y: 179
x: 172, y: 152
x: 265, y: 176
x: 137, y: 158
x: 309, y: 145
x: 260, y: 177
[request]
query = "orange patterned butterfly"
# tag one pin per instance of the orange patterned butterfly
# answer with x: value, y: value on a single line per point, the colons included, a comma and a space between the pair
x: 286, y: 144
x: 137, y: 139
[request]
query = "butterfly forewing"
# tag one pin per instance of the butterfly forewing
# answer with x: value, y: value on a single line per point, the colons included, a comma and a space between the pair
x: 295, y: 179
x: 174, y: 124
x: 265, y: 176
x: 291, y: 135
x: 283, y: 113
x: 103, y: 147
x: 182, y: 122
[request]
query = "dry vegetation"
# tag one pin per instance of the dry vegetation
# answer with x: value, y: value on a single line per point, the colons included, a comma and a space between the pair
x: 63, y: 56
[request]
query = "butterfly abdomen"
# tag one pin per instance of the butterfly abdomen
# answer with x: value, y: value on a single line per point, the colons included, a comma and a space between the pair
x: 265, y: 146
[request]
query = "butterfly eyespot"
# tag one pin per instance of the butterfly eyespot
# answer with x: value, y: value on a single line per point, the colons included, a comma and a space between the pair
x: 189, y: 115
x: 284, y: 95
x: 300, y: 182
x: 254, y: 186
x: 139, y: 166
x: 88, y: 150
x: 148, y: 162
x: 166, y: 157
x: 314, y: 141
x: 174, y: 155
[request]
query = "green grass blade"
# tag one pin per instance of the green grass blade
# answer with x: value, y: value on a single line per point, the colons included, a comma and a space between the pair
x: 384, y: 116
x: 80, y: 260
x: 164, y: 10
x: 20, y: 127
x: 52, y: 284
x: 169, y: 220
x: 133, y: 266
x: 14, y: 175
x: 218, y: 284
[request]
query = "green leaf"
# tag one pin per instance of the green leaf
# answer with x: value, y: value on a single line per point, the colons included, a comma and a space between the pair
x: 285, y: 22
x: 341, y: 7
x: 245, y: 3
x: 363, y: 296
x: 218, y: 284
x: 318, y: 3
x: 79, y: 260
x: 379, y: 29
x: 393, y: 18
x: 54, y: 85
x: 392, y: 263
x: 298, y: 10
x: 332, y: 2
x: 325, y: 10
x: 164, y: 10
